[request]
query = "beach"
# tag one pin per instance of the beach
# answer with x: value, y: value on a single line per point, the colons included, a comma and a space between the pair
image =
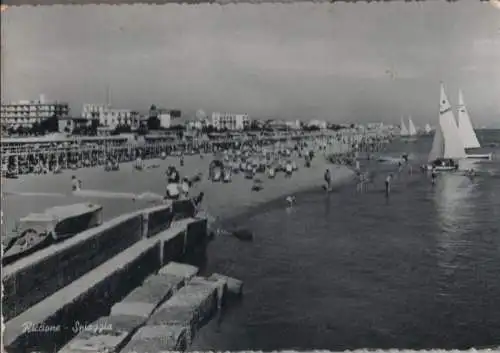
x: 35, y: 193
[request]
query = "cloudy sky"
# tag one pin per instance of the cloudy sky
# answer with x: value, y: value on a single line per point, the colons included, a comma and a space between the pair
x: 337, y: 62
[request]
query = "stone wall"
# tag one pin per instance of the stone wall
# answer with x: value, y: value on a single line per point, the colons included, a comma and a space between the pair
x: 32, y: 279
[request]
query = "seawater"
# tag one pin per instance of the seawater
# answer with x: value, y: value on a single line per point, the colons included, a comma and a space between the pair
x: 345, y: 270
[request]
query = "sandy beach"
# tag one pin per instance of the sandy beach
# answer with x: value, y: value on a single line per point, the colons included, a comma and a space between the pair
x: 35, y: 193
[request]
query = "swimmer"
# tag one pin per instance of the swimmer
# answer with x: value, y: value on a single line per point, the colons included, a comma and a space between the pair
x: 471, y: 173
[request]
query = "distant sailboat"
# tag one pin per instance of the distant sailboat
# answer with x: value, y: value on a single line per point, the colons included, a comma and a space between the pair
x: 408, y: 134
x: 447, y: 147
x: 467, y: 133
x: 427, y: 129
x: 412, y: 129
x: 404, y: 130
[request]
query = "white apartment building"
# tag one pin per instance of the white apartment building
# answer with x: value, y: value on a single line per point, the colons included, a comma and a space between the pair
x: 295, y: 125
x: 318, y: 123
x: 165, y: 119
x: 230, y: 121
x: 25, y: 113
x: 110, y: 117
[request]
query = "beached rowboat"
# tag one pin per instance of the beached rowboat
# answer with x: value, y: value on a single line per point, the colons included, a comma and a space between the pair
x: 38, y: 230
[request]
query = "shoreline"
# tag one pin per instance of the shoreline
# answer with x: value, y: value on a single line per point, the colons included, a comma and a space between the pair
x: 273, y: 203
x: 225, y: 202
x: 228, y: 207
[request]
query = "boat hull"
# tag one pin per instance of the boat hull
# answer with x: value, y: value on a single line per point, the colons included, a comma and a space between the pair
x: 38, y: 230
x: 487, y: 156
x: 17, y: 251
x: 443, y: 165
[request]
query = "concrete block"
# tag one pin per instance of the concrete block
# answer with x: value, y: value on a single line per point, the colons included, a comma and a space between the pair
x: 190, y: 307
x: 234, y: 286
x: 133, y: 309
x: 159, y: 220
x: 108, y: 334
x: 180, y: 270
x: 197, y: 232
x: 158, y: 338
x: 183, y: 209
x: 156, y: 289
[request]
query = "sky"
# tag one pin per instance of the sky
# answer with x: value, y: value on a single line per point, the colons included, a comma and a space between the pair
x: 337, y: 62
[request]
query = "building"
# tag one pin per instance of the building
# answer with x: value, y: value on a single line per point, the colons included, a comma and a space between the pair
x: 69, y: 124
x: 197, y: 124
x: 110, y: 117
x: 230, y: 121
x: 26, y: 113
x: 294, y: 125
x: 165, y: 118
x: 317, y: 123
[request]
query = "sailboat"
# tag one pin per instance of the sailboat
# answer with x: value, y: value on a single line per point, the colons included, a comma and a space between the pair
x: 412, y: 130
x: 447, y: 148
x: 467, y: 133
x: 403, y: 129
x: 427, y: 129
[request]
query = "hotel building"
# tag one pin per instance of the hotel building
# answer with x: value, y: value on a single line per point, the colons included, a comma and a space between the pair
x: 165, y: 118
x: 110, y: 117
x: 26, y: 113
x: 230, y: 121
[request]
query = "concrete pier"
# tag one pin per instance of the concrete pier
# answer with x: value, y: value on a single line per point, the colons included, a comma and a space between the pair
x: 114, y: 331
x: 162, y: 314
x: 174, y: 324
x: 130, y: 253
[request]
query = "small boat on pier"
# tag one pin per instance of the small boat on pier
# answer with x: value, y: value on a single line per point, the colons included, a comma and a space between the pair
x: 38, y: 230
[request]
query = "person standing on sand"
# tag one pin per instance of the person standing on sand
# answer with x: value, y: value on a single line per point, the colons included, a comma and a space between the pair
x: 185, y: 187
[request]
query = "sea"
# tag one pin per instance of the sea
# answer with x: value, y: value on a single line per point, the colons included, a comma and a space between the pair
x: 419, y: 269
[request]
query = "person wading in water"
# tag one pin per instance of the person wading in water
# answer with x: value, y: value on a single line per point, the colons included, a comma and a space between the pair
x: 388, y: 181
x: 328, y: 179
x: 76, y: 184
x: 433, y: 176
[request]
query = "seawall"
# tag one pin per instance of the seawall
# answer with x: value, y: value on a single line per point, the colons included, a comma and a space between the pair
x: 52, y: 286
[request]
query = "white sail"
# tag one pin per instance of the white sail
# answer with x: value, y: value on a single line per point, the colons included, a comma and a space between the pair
x: 437, y: 150
x: 404, y: 129
x: 453, y: 146
x: 427, y: 129
x: 412, y: 130
x: 447, y: 142
x: 465, y: 128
